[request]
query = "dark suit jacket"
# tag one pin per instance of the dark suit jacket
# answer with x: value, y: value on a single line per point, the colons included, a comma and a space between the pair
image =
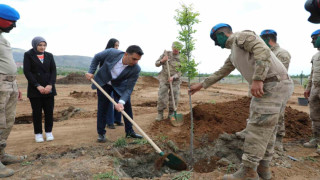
x: 124, y: 83
x: 39, y: 74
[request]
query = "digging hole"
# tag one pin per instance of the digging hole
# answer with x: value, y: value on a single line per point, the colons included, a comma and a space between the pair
x: 141, y: 165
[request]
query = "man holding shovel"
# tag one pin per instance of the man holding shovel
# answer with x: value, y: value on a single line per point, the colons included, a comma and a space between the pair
x: 172, y: 59
x: 271, y: 87
x: 118, y: 74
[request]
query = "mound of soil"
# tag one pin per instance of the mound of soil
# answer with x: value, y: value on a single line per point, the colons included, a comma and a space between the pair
x: 148, y: 104
x: 73, y: 78
x: 211, y: 120
x: 82, y: 94
x: 57, y: 116
x: 149, y: 80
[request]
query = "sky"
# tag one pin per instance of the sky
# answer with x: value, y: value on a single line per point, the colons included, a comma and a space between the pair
x: 83, y: 27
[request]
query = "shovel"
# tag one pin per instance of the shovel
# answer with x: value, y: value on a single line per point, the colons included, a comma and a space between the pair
x: 171, y: 160
x: 175, y: 119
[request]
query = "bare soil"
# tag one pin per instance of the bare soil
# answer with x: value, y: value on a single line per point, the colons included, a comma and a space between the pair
x: 222, y: 108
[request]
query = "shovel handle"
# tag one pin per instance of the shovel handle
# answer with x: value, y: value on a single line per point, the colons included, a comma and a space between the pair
x: 172, y: 94
x: 128, y: 117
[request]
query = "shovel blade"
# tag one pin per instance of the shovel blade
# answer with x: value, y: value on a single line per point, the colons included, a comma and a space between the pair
x: 175, y: 162
x: 176, y: 119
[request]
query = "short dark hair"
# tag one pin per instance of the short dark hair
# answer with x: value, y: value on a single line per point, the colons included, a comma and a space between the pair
x: 134, y: 49
x: 273, y: 37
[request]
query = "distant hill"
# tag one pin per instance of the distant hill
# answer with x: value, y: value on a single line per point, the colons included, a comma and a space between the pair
x: 71, y: 61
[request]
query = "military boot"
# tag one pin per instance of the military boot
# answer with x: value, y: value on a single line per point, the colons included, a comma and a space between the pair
x: 278, y: 144
x: 312, y: 143
x: 160, y: 116
x: 264, y: 170
x: 245, y: 173
x: 241, y: 134
x: 5, y: 172
x: 10, y: 159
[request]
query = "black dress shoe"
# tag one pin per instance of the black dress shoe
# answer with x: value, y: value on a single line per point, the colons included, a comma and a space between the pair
x: 110, y: 126
x: 119, y: 123
x: 133, y: 135
x: 102, y: 138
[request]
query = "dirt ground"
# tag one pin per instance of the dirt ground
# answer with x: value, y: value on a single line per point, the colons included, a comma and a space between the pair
x: 75, y: 154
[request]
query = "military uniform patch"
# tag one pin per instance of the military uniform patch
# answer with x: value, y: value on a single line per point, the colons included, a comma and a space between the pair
x: 251, y: 38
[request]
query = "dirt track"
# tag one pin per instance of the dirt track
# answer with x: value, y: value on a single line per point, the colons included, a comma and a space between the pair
x: 75, y: 154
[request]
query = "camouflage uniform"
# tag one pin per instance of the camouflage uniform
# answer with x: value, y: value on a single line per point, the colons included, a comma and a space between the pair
x: 164, y: 93
x: 8, y: 91
x: 314, y: 98
x: 255, y: 61
x: 284, y: 56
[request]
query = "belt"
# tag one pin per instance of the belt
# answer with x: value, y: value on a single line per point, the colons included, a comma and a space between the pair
x: 10, y: 78
x: 276, y: 78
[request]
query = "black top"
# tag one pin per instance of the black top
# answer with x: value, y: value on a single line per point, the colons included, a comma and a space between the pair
x: 38, y: 73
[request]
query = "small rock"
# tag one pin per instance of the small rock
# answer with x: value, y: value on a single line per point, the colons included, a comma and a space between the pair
x: 223, y: 162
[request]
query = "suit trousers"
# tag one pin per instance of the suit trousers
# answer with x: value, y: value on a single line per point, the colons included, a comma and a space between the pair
x: 103, y: 110
x: 113, y: 117
x: 47, y: 104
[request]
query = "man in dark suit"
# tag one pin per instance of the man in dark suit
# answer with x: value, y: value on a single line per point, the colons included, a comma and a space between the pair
x: 119, y: 74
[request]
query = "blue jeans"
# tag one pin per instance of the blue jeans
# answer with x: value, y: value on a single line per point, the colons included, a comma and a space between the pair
x: 115, y: 116
x: 103, y: 110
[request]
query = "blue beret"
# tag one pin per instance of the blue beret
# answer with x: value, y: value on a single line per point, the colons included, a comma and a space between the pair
x: 268, y: 31
x: 317, y: 32
x: 8, y: 13
x: 216, y: 27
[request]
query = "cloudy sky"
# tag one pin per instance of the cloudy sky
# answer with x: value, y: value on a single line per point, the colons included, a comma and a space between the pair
x: 83, y: 27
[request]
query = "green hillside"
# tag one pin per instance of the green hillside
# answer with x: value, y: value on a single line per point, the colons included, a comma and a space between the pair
x: 70, y: 61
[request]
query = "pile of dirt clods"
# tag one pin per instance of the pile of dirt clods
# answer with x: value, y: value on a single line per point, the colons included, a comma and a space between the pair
x: 73, y: 78
x: 211, y: 120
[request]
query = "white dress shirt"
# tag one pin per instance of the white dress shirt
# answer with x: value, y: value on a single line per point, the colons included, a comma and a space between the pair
x: 116, y: 71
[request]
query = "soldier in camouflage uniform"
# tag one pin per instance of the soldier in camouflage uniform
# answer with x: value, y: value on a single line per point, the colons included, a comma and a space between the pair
x: 164, y: 87
x: 271, y: 88
x: 313, y: 93
x: 269, y: 36
x: 9, y: 92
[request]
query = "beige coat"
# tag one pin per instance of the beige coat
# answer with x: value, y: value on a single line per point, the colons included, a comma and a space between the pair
x: 251, y: 57
x: 7, y: 64
x: 282, y: 54
x: 174, y: 62
x: 315, y: 71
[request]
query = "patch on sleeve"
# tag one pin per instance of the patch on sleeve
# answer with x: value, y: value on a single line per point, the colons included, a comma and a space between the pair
x: 251, y: 38
x: 241, y: 39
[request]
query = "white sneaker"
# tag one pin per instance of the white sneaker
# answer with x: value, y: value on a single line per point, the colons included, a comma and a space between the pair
x: 49, y: 136
x: 39, y: 138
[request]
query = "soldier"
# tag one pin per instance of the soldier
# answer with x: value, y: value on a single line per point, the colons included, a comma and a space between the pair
x: 269, y: 36
x: 313, y: 93
x: 271, y: 88
x: 164, y: 87
x: 9, y: 93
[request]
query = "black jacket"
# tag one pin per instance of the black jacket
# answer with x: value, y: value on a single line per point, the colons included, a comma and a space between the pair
x: 39, y: 74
